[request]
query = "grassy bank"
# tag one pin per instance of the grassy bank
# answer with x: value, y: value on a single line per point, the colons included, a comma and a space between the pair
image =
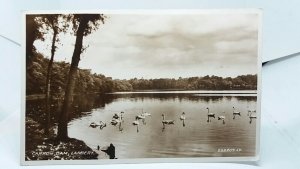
x: 40, y: 147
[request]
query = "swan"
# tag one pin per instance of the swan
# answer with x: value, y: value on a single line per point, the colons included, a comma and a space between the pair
x: 121, y: 115
x: 120, y: 127
x: 167, y: 121
x: 118, y: 115
x: 140, y: 117
x: 94, y: 125
x: 236, y: 112
x: 102, y: 125
x: 222, y: 118
x: 182, y: 117
x: 146, y: 114
x: 250, y: 111
x: 210, y: 114
x: 114, y: 122
x: 252, y: 117
x: 136, y: 123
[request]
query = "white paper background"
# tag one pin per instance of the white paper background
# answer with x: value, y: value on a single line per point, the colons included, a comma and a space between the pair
x: 280, y: 136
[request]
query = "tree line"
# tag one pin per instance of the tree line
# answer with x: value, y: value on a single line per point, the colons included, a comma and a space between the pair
x: 88, y: 82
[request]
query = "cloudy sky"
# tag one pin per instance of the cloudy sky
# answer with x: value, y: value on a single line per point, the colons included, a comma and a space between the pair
x: 167, y: 46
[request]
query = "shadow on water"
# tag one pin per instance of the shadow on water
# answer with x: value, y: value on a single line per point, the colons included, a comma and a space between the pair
x: 84, y: 103
x: 81, y: 106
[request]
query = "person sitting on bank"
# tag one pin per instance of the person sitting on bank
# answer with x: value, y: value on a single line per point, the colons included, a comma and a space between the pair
x: 110, y: 151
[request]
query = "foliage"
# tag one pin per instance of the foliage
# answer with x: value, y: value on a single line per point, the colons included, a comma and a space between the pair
x: 88, y: 82
x: 94, y: 21
x: 32, y: 34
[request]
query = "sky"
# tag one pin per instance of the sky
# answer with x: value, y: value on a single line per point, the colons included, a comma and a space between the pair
x: 166, y: 45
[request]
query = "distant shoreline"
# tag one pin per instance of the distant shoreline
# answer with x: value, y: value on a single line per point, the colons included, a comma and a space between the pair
x: 190, y: 91
x: 42, y: 96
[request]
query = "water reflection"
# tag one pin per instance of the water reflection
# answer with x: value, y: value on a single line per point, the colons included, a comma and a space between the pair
x: 192, y: 125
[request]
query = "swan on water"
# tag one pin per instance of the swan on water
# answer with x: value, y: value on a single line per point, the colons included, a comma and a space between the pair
x: 115, y: 121
x: 252, y: 117
x: 136, y: 123
x: 118, y: 115
x: 167, y: 121
x: 182, y: 117
x: 222, y: 118
x: 210, y: 114
x: 102, y: 125
x: 234, y: 112
x: 145, y: 114
x: 140, y: 117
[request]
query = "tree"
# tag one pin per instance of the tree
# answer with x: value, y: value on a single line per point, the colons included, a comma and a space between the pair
x: 51, y: 22
x: 32, y: 34
x: 83, y: 25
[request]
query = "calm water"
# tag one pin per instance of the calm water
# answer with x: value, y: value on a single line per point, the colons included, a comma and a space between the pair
x: 197, y: 137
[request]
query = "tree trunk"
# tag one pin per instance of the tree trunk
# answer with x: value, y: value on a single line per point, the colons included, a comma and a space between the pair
x: 30, y: 35
x: 63, y: 120
x: 48, y: 82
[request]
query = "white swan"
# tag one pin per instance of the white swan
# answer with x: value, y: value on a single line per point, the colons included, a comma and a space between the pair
x: 115, y: 121
x: 210, y: 114
x: 118, y: 115
x: 222, y: 118
x: 252, y: 117
x: 250, y: 112
x: 167, y: 121
x: 236, y: 112
x: 102, y: 124
x: 145, y: 114
x: 182, y: 117
x: 140, y: 117
x: 121, y: 115
x: 94, y: 125
x: 135, y: 122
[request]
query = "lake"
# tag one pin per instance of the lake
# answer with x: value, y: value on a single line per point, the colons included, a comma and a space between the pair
x: 197, y: 137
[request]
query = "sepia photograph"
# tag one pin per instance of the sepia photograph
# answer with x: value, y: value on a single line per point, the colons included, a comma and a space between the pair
x: 130, y: 85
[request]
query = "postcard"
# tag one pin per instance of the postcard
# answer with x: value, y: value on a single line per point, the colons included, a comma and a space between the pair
x: 134, y: 86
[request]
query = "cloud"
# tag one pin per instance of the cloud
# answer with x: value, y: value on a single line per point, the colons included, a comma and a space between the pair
x: 153, y: 46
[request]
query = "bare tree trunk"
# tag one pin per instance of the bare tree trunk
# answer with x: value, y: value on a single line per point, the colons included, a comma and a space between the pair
x: 63, y: 120
x: 48, y: 83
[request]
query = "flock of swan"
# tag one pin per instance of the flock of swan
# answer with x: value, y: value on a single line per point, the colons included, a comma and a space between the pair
x: 118, y: 118
x: 251, y: 114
